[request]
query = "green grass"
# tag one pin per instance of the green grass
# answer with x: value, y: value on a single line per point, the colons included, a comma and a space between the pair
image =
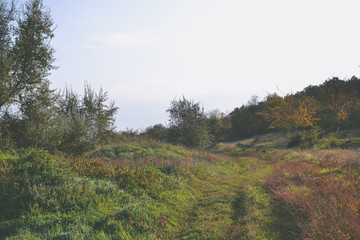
x: 152, y: 190
x: 46, y: 198
x: 252, y: 207
x: 145, y: 149
x: 138, y: 190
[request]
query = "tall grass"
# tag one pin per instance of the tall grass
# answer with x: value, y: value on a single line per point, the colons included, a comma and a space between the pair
x: 135, y: 190
x: 321, y: 193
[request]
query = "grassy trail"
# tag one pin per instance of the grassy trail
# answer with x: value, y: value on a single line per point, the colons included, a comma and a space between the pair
x: 253, y: 209
x: 169, y: 192
x: 231, y: 204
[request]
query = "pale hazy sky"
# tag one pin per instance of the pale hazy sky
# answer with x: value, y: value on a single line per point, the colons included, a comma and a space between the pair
x: 146, y: 53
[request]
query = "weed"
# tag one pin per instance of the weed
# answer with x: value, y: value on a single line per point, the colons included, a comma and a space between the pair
x: 323, y: 197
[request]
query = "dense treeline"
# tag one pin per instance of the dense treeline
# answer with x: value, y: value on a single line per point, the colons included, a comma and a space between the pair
x: 246, y: 122
x: 31, y: 113
x: 331, y: 106
x: 339, y: 103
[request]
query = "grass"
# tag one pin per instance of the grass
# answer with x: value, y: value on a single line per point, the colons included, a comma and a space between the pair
x: 152, y: 190
x: 297, y: 193
x: 209, y: 214
x: 252, y: 215
x: 321, y: 192
x: 51, y: 198
x: 137, y: 190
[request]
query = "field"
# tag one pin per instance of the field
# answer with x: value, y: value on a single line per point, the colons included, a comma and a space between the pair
x: 292, y: 170
x: 252, y: 189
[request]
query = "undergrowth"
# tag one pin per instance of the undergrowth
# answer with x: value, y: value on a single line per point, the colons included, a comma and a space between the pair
x: 128, y: 191
x: 320, y: 193
x: 152, y: 190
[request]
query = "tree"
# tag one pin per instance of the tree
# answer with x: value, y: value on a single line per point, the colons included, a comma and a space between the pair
x: 32, y: 114
x: 84, y: 122
x: 339, y: 101
x: 187, y: 124
x: 37, y: 112
x: 99, y: 117
x: 218, y: 124
x: 27, y: 54
x: 290, y: 112
x: 157, y: 132
x: 26, y: 58
x: 6, y: 18
x: 246, y: 122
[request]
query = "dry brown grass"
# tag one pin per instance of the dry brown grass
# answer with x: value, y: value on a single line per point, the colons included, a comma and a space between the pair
x: 340, y: 158
x: 323, y: 195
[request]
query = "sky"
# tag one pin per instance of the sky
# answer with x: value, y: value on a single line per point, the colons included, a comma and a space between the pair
x: 146, y: 53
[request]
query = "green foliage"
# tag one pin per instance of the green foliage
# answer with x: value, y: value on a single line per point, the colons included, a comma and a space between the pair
x: 187, y: 124
x: 353, y: 143
x: 330, y: 142
x: 335, y: 140
x: 26, y: 59
x: 31, y: 114
x: 157, y: 132
x: 329, y: 106
x: 310, y: 137
x: 26, y: 54
x: 295, y: 141
x: 6, y: 34
x: 129, y: 135
x: 218, y: 124
x: 84, y: 122
x: 246, y: 122
x: 304, y: 139
x: 35, y: 127
x: 99, y: 117
x: 64, y: 122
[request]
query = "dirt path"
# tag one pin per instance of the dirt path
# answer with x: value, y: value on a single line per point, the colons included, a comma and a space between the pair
x: 231, y: 204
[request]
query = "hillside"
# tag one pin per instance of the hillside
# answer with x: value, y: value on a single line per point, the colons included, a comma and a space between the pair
x: 281, y: 167
x: 151, y: 190
x: 142, y: 190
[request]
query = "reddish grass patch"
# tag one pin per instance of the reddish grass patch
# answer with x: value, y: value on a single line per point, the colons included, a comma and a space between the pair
x: 340, y: 158
x: 323, y: 197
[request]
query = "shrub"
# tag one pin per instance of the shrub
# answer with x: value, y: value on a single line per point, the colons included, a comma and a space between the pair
x: 157, y: 132
x: 188, y: 124
x: 304, y: 139
x: 309, y: 138
x: 294, y: 141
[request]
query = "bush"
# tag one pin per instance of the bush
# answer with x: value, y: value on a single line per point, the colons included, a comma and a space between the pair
x: 188, y: 124
x: 304, y: 139
x: 309, y: 138
x: 157, y: 132
x: 294, y: 141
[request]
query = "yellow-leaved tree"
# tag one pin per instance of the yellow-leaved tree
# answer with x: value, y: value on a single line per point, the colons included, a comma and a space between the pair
x: 290, y: 112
